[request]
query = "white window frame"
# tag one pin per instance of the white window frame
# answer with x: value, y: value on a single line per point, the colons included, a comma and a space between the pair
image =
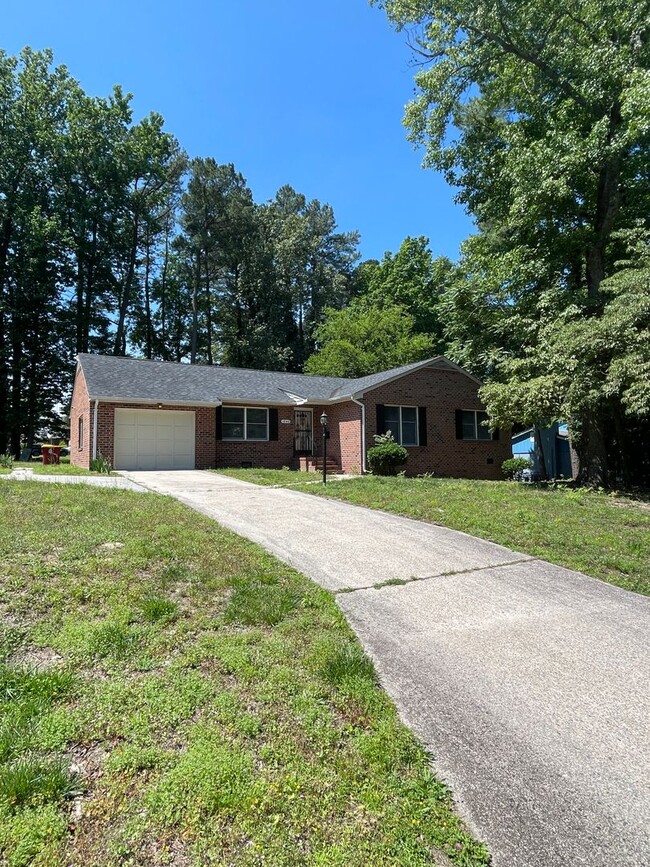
x: 476, y: 437
x: 246, y: 438
x: 400, y: 407
x: 80, y: 434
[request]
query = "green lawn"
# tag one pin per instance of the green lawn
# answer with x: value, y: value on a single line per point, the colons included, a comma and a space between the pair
x: 64, y: 468
x: 605, y: 536
x: 172, y: 694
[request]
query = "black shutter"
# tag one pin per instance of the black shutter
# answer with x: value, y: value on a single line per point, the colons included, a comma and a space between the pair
x: 422, y: 425
x: 496, y: 433
x: 219, y: 428
x: 380, y: 419
x: 273, y: 423
x: 459, y: 424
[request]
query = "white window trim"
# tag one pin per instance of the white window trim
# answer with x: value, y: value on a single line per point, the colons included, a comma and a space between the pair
x: 476, y: 437
x: 246, y: 438
x: 80, y: 433
x: 400, y: 407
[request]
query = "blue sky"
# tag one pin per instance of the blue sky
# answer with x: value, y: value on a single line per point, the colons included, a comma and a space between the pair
x: 305, y: 92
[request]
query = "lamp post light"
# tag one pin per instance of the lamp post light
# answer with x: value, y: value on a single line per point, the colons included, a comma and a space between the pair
x: 323, y: 421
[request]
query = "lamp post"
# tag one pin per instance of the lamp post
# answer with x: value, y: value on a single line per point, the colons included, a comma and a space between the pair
x: 323, y: 421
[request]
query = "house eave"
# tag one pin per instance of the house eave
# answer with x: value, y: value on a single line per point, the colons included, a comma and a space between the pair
x: 150, y: 401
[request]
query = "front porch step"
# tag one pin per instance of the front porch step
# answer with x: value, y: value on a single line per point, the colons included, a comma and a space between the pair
x: 315, y: 465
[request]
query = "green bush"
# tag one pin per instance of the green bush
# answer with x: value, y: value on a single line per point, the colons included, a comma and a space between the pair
x: 514, y: 467
x: 386, y: 459
x: 100, y: 464
x: 6, y: 461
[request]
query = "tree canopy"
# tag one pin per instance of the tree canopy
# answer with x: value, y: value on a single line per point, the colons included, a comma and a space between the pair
x: 113, y: 240
x: 539, y: 114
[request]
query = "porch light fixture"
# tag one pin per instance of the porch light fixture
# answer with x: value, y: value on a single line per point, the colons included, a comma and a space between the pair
x: 323, y: 421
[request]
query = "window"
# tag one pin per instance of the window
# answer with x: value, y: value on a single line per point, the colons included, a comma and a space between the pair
x: 244, y: 423
x: 470, y: 425
x: 402, y: 422
x: 81, y: 433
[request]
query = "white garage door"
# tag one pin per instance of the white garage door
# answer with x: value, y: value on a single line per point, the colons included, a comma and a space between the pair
x: 154, y: 439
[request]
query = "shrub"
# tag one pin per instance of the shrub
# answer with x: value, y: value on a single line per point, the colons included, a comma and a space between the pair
x: 100, y: 464
x: 386, y: 457
x: 6, y: 461
x: 512, y: 468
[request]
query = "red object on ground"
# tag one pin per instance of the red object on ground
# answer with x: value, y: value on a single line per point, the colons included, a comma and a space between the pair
x: 51, y: 454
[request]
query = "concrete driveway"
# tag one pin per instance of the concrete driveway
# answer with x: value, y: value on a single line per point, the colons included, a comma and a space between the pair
x: 528, y: 683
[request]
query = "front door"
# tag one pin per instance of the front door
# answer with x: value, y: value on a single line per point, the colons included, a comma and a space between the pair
x: 302, y: 431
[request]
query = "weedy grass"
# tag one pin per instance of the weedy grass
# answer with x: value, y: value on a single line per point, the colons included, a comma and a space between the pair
x: 65, y: 468
x: 604, y: 535
x: 195, y: 701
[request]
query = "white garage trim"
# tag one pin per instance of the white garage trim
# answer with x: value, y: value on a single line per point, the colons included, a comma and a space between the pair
x: 154, y: 439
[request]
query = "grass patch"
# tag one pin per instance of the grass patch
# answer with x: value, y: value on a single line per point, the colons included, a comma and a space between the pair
x: 206, y: 703
x: 606, y: 536
x: 34, y: 782
x: 63, y: 469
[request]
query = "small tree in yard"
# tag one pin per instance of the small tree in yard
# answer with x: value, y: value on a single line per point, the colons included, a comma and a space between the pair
x: 386, y: 457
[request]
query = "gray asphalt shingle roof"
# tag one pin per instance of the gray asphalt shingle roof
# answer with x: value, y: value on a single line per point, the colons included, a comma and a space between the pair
x: 131, y: 379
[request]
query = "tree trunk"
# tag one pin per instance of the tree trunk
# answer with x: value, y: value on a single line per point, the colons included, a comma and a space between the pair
x: 147, y: 304
x: 119, y: 346
x: 195, y: 315
x: 592, y: 450
x: 5, y: 237
x: 539, y: 450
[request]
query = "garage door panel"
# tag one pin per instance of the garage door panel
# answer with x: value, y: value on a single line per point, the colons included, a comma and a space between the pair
x: 154, y: 439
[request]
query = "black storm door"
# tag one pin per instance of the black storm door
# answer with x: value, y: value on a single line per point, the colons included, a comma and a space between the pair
x: 302, y: 431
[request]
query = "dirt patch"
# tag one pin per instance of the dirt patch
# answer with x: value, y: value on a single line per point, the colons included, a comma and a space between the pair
x: 111, y: 546
x: 631, y: 504
x: 39, y: 658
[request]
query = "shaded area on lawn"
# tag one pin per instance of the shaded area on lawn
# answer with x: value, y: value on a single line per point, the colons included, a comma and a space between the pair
x: 603, y: 535
x: 170, y: 693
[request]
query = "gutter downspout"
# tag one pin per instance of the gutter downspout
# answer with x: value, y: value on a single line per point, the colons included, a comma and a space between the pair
x: 364, y: 469
x: 95, y: 430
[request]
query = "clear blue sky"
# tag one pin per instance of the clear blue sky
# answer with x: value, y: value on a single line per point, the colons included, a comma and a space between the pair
x: 305, y: 92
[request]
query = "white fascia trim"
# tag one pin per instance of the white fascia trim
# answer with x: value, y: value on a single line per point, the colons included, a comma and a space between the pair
x: 150, y: 402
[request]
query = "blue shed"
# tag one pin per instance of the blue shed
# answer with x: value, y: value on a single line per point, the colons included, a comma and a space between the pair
x: 554, y: 441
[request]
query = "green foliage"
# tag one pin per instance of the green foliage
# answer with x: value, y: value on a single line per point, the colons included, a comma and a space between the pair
x: 250, y: 728
x: 260, y: 602
x: 140, y: 248
x: 155, y: 608
x: 35, y: 782
x: 512, y: 468
x: 6, y: 461
x: 100, y: 464
x: 364, y: 339
x: 386, y: 459
x: 541, y: 117
x: 413, y: 280
x: 343, y: 660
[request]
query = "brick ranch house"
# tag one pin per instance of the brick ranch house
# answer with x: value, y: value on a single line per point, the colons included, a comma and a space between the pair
x: 161, y: 415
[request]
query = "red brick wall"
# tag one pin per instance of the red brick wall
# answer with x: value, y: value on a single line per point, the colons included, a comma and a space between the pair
x: 272, y: 454
x: 80, y: 409
x: 204, y: 430
x: 442, y: 392
x: 344, y: 444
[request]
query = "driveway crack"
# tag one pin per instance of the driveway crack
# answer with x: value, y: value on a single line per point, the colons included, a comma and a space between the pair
x: 398, y: 582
